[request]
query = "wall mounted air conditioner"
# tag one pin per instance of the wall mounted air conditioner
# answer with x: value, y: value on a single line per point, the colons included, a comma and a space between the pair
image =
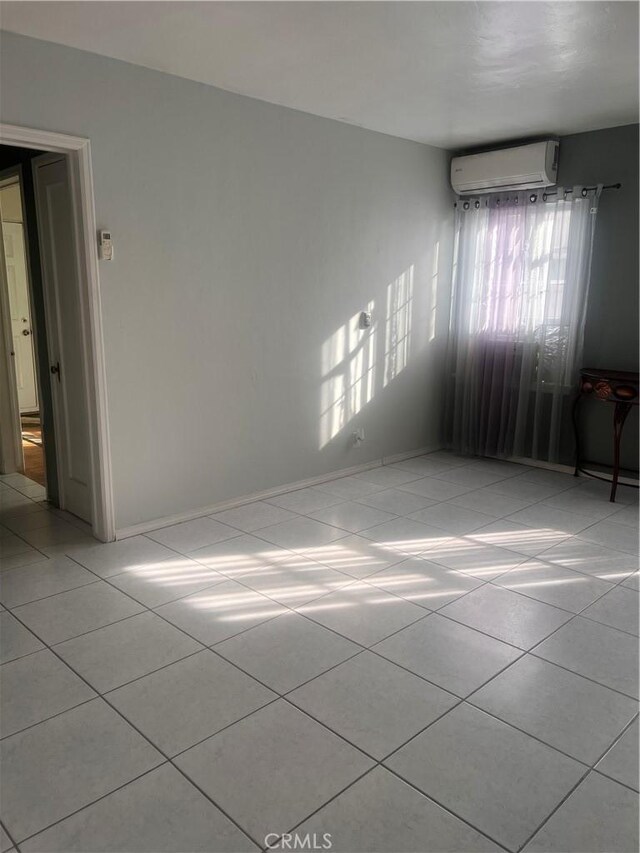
x: 521, y: 168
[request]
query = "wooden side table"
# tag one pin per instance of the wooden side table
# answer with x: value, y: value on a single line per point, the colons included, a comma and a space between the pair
x: 610, y: 386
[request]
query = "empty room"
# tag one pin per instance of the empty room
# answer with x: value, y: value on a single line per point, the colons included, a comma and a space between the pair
x: 319, y: 426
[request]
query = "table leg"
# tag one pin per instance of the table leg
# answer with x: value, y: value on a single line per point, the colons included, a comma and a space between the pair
x: 619, y: 416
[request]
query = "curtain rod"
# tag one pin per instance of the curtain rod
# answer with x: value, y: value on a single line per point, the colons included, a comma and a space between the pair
x: 588, y: 189
x: 545, y: 193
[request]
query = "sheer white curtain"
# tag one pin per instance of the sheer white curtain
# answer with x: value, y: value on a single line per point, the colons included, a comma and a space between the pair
x: 521, y: 275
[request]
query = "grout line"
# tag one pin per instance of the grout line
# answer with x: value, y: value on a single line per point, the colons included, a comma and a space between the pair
x: 102, y: 697
x: 51, y: 716
x: 9, y: 836
x: 363, y: 648
x: 558, y: 806
x: 93, y: 802
x: 12, y: 607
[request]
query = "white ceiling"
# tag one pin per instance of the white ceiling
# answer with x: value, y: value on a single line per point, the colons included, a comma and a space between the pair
x: 451, y: 74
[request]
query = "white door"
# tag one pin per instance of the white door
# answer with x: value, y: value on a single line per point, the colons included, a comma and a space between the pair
x: 17, y: 280
x: 61, y: 280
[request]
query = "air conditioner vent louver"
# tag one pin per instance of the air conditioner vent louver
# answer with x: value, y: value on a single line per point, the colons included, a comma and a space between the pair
x: 522, y: 167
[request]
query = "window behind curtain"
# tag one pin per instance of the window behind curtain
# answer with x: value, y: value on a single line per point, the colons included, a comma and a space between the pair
x: 520, y: 285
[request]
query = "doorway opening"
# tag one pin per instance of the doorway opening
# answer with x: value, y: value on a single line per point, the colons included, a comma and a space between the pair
x: 53, y: 425
x: 16, y: 269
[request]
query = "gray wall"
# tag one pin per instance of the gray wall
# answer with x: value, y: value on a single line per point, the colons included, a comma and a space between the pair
x: 611, y: 333
x: 246, y: 238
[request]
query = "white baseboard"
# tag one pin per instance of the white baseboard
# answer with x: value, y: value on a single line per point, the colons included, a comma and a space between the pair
x: 154, y: 524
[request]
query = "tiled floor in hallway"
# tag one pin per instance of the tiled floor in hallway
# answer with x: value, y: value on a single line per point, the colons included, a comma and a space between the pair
x: 437, y: 655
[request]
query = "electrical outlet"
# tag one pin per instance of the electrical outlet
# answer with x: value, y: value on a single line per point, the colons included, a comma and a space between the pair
x: 358, y: 436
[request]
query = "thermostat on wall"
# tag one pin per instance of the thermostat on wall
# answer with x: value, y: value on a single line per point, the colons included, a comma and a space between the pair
x: 105, y: 246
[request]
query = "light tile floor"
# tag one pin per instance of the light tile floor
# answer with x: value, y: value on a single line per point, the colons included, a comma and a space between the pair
x: 438, y: 655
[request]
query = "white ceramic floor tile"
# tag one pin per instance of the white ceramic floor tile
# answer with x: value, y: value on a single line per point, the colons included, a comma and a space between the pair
x: 190, y: 535
x: 500, y: 780
x: 621, y: 762
x: 627, y: 515
x: 396, y: 501
x: 498, y: 466
x: 287, y: 651
x: 473, y: 558
x: 125, y: 555
x: 562, y: 709
x: 507, y: 615
x: 620, y: 537
x: 549, y: 478
x: 39, y: 580
x: 238, y: 766
x: 422, y: 582
x: 591, y: 559
x: 10, y: 545
x: 158, y: 583
x: 602, y: 490
x: 23, y: 558
x: 407, y: 536
x: 373, y: 703
x: 224, y: 579
x: 33, y: 521
x: 448, y: 457
x: 114, y: 655
x: 453, y: 519
x: 422, y: 465
x: 63, y: 536
x: 69, y: 614
x: 363, y: 613
x: 450, y: 655
x: 162, y: 812
x: 382, y: 814
x: 236, y: 557
x: 351, y: 516
x: 632, y: 582
x: 67, y: 762
x: 387, y: 477
x: 575, y: 501
x: 542, y: 517
x: 189, y: 701
x: 349, y: 488
x: 220, y: 612
x: 437, y: 490
x: 600, y: 816
x: 36, y: 687
x: 5, y: 841
x: 301, y: 534
x: 253, y: 516
x: 15, y: 640
x: 520, y: 538
x: 553, y: 584
x: 469, y: 475
x: 306, y: 500
x: 355, y: 556
x: 597, y: 652
x: 520, y: 489
x: 617, y: 609
x: 297, y: 580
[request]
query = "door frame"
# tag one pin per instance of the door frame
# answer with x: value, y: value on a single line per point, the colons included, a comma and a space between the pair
x: 78, y: 151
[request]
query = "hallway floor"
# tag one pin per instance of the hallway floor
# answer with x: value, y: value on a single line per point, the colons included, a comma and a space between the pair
x: 436, y: 655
